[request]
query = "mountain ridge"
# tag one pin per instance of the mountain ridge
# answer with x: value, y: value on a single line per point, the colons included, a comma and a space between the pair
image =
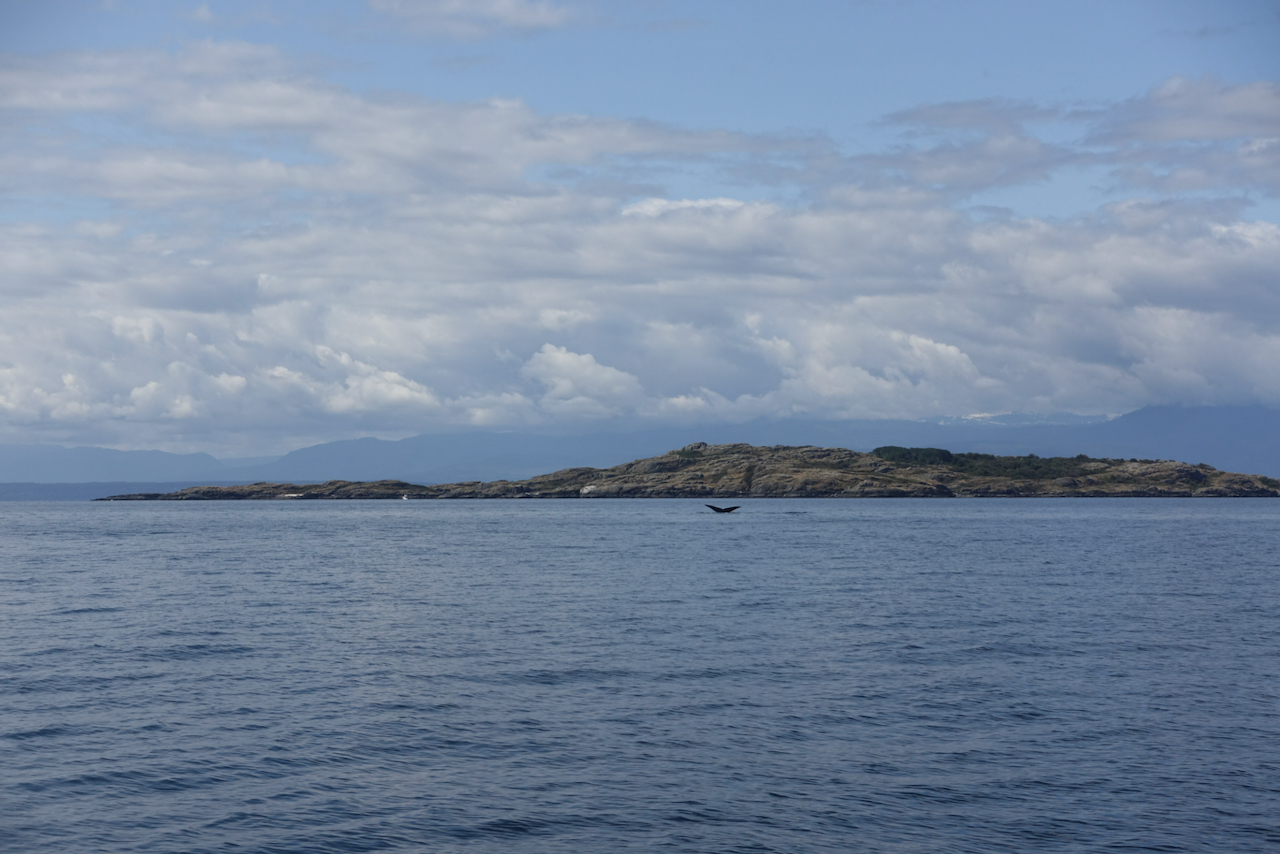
x: 1229, y: 438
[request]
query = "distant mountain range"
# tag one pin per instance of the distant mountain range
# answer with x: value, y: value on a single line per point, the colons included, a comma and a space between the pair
x: 1243, y: 439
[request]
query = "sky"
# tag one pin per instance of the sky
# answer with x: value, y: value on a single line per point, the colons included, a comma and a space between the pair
x: 245, y: 227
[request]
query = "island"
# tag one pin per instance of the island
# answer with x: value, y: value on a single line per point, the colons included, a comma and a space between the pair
x: 746, y: 471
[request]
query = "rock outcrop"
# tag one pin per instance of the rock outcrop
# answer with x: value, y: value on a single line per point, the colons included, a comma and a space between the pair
x: 744, y: 471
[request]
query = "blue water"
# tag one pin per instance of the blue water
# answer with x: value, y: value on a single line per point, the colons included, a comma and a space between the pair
x: 588, y: 676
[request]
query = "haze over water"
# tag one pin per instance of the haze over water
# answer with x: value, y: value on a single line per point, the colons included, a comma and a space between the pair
x: 571, y: 676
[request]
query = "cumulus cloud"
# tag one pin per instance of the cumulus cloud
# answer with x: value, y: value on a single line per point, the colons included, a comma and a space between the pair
x: 252, y: 259
x: 577, y: 385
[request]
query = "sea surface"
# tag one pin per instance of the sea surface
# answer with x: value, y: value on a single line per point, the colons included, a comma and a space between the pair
x: 1075, y: 675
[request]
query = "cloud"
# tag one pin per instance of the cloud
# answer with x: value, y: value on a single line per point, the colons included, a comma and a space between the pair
x: 657, y: 207
x: 1194, y: 136
x: 990, y: 115
x: 242, y: 127
x: 1184, y: 136
x: 231, y: 255
x: 1182, y: 111
x: 579, y: 386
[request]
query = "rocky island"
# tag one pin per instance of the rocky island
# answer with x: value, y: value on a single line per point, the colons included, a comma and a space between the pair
x: 745, y: 471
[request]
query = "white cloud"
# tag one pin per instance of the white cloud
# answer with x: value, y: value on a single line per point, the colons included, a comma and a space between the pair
x: 1182, y: 136
x: 558, y: 319
x: 1183, y: 111
x: 234, y: 107
x: 266, y: 259
x: 368, y: 388
x: 657, y: 207
x: 1195, y: 136
x: 579, y: 386
x: 230, y: 384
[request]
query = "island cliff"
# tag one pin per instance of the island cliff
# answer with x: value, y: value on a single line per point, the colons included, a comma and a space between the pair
x: 745, y: 471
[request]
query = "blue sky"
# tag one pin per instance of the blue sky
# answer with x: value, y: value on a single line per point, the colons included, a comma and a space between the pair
x: 242, y: 227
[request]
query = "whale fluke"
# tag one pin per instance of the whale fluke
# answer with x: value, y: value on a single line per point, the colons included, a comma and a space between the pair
x: 724, y: 509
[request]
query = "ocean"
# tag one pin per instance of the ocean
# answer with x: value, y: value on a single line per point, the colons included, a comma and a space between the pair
x: 803, y: 675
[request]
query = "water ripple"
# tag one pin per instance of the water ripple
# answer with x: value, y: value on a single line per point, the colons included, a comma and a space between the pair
x: 824, y: 676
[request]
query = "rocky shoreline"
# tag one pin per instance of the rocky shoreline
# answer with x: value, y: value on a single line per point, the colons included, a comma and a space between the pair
x: 745, y: 471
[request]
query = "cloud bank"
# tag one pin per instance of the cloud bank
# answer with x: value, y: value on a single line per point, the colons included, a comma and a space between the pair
x: 207, y: 249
